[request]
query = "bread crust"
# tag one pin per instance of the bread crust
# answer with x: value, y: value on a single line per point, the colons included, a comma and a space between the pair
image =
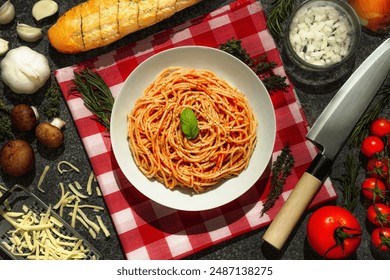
x: 165, y: 9
x: 90, y: 24
x: 97, y: 23
x: 66, y: 35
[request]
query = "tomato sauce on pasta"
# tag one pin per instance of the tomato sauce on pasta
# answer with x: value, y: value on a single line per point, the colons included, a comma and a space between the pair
x: 227, y: 130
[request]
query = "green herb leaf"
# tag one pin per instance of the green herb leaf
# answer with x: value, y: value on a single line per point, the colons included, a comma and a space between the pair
x: 189, y: 123
x: 279, y: 12
x: 260, y: 65
x: 349, y: 188
x: 281, y: 169
x: 95, y: 93
x: 5, y: 122
x: 53, y: 101
x: 361, y: 129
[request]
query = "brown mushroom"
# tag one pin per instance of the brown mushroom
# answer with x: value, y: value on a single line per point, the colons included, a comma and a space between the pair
x: 50, y: 134
x: 17, y: 157
x: 24, y: 117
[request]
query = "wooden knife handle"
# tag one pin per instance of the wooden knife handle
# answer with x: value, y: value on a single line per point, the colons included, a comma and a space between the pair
x: 297, y: 202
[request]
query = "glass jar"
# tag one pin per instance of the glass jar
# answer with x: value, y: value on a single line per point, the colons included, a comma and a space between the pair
x: 321, y: 35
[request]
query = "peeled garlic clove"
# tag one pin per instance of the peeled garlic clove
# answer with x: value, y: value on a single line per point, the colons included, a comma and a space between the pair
x: 43, y: 9
x: 28, y: 33
x: 7, y: 12
x: 3, y: 46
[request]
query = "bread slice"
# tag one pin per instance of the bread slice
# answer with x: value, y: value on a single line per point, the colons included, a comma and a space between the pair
x: 165, y: 9
x: 90, y: 27
x: 147, y: 13
x: 108, y: 18
x: 128, y: 17
x: 97, y: 23
x: 182, y: 4
x: 66, y: 35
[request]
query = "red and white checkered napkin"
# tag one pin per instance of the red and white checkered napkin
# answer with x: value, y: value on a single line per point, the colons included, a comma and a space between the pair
x: 148, y: 230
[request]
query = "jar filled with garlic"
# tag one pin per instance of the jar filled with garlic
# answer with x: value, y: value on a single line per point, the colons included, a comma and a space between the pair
x: 321, y: 35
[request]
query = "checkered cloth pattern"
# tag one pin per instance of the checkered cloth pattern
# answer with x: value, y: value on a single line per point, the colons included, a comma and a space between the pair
x: 146, y: 229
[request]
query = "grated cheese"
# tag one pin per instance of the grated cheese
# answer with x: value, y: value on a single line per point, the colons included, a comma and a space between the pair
x: 102, y: 226
x: 89, y: 183
x: 42, y: 177
x: 76, y: 192
x: 72, y: 167
x: 78, y: 185
x: 39, y: 237
x: 88, y: 221
x: 98, y: 191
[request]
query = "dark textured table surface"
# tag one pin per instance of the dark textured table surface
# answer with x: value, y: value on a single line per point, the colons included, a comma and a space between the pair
x: 247, y: 246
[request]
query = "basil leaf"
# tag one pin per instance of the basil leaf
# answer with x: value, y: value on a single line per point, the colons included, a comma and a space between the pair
x: 189, y: 123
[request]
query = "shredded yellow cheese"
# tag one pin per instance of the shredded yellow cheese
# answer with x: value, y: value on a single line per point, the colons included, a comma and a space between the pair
x: 78, y: 185
x: 39, y: 237
x: 72, y: 167
x: 42, y: 177
x: 98, y: 191
x: 76, y: 192
x: 95, y: 227
x: 89, y: 183
x: 102, y: 226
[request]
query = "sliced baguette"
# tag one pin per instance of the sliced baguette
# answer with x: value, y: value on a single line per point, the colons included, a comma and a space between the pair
x: 98, y: 23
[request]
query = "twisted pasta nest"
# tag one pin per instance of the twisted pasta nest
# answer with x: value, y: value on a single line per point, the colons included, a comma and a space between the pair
x: 227, y: 130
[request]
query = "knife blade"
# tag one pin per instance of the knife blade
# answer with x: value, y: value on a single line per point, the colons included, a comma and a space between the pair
x: 329, y: 133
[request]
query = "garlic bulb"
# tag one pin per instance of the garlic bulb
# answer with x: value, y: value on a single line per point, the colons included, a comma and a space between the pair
x: 28, y: 33
x: 7, y: 12
x: 43, y: 9
x: 24, y: 70
x: 4, y: 46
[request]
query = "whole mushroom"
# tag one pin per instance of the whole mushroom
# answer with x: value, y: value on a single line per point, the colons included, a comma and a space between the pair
x: 17, y: 157
x: 24, y: 117
x: 50, y: 134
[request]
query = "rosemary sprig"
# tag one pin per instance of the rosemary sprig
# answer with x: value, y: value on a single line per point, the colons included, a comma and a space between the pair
x: 53, y: 96
x: 280, y: 11
x: 350, y: 190
x: 95, y: 93
x: 262, y: 67
x: 281, y: 169
x: 362, y: 126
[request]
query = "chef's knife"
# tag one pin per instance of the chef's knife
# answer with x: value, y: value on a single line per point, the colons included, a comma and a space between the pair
x: 329, y: 133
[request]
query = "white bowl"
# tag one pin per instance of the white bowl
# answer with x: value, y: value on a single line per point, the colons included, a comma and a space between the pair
x: 237, y: 74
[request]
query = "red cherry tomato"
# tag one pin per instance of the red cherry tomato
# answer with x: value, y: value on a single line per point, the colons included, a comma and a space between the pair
x: 379, y: 214
x: 373, y: 189
x: 333, y: 232
x: 378, y: 168
x: 380, y: 127
x: 380, y: 237
x: 372, y: 145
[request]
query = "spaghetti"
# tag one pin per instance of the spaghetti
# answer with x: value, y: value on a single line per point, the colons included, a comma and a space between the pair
x: 227, y: 130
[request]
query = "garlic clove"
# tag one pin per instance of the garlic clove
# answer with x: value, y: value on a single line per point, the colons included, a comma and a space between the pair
x: 4, y: 46
x: 43, y: 9
x: 7, y: 12
x: 28, y: 33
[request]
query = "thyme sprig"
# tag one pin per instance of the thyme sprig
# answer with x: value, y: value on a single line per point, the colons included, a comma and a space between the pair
x: 5, y: 122
x: 53, y: 96
x: 95, y: 93
x: 361, y: 128
x: 281, y: 169
x: 260, y: 65
x: 280, y: 11
x: 349, y: 189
